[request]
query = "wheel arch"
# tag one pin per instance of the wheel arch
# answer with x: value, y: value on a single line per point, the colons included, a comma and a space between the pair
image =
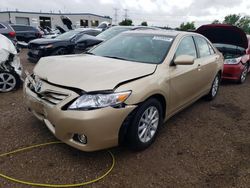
x: 126, y: 123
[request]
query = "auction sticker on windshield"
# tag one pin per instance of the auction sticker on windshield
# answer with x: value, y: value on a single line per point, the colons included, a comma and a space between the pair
x: 167, y: 39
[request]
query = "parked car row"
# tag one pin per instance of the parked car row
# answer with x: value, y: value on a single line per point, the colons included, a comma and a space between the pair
x: 61, y: 45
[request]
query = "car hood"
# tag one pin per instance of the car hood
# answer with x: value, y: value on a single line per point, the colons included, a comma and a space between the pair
x: 224, y: 34
x: 87, y: 37
x: 89, y: 72
x: 45, y: 41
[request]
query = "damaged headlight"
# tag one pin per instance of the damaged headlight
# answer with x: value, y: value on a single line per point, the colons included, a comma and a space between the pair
x: 94, y: 101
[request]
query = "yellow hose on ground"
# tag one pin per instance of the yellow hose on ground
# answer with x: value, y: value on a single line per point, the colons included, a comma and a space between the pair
x: 52, y: 185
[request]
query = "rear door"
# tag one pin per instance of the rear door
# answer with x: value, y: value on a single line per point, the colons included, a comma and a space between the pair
x: 207, y: 63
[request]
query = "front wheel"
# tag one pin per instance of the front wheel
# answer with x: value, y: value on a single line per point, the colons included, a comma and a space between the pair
x: 145, y: 125
x: 243, y: 75
x: 214, y: 88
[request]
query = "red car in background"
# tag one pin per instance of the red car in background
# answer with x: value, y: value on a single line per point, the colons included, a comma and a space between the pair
x: 248, y: 49
x: 233, y: 43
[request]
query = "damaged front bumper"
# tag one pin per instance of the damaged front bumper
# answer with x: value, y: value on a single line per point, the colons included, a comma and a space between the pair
x: 11, y: 63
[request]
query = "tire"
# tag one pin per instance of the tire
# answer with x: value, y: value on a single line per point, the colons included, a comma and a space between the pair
x: 139, y: 123
x: 214, y: 88
x: 243, y: 75
x: 9, y: 81
x: 59, y: 51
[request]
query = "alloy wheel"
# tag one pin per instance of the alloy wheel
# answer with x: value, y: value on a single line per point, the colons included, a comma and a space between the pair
x: 7, y: 82
x: 244, y: 74
x: 148, y: 124
x: 215, y: 86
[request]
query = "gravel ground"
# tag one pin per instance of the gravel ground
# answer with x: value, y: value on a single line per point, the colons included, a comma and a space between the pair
x: 206, y: 145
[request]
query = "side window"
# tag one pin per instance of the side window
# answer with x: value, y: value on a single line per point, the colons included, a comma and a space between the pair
x: 211, y: 49
x: 186, y: 47
x: 202, y: 46
x: 16, y: 27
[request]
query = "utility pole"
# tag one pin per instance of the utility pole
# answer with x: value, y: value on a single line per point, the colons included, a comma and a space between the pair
x: 126, y: 14
x: 116, y: 16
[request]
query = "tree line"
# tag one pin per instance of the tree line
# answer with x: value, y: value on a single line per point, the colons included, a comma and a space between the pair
x: 238, y: 20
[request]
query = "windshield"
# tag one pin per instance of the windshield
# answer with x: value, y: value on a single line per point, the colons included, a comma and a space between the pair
x: 145, y: 48
x: 111, y: 32
x: 68, y: 35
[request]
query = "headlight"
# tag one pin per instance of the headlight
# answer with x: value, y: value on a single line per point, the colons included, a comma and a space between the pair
x: 47, y: 46
x: 93, y: 101
x: 232, y: 61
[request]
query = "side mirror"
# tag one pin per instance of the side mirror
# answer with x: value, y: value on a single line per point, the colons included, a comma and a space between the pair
x: 184, y: 60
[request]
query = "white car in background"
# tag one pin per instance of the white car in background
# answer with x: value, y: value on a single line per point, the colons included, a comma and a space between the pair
x: 10, y: 66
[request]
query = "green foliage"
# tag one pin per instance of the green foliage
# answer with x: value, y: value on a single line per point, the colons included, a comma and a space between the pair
x: 126, y: 22
x: 216, y: 22
x: 189, y: 26
x: 242, y: 22
x: 144, y: 23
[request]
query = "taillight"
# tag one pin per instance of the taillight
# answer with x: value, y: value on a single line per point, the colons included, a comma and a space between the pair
x: 12, y: 34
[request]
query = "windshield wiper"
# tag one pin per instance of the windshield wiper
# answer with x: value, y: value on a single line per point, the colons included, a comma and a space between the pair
x: 114, y: 57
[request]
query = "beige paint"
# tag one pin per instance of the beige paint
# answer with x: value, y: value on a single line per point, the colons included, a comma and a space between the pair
x: 180, y: 86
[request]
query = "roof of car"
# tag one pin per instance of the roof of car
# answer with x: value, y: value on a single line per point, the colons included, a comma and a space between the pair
x: 173, y: 33
x: 86, y: 29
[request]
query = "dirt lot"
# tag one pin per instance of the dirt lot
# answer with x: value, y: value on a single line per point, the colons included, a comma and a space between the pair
x: 206, y: 145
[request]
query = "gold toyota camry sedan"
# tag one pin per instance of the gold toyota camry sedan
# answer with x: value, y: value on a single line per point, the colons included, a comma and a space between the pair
x: 123, y: 90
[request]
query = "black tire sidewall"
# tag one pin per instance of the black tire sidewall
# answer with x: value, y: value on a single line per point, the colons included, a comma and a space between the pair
x: 132, y: 134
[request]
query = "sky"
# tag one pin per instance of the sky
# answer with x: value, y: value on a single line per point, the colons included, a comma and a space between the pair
x: 155, y: 12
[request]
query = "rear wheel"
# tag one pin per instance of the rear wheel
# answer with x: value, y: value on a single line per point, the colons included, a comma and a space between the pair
x: 243, y: 75
x: 214, y: 88
x: 9, y: 81
x: 145, y: 125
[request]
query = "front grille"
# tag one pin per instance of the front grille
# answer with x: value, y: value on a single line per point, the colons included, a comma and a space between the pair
x: 51, y: 97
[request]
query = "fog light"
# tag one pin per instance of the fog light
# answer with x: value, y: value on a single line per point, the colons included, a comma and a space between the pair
x: 82, y: 139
